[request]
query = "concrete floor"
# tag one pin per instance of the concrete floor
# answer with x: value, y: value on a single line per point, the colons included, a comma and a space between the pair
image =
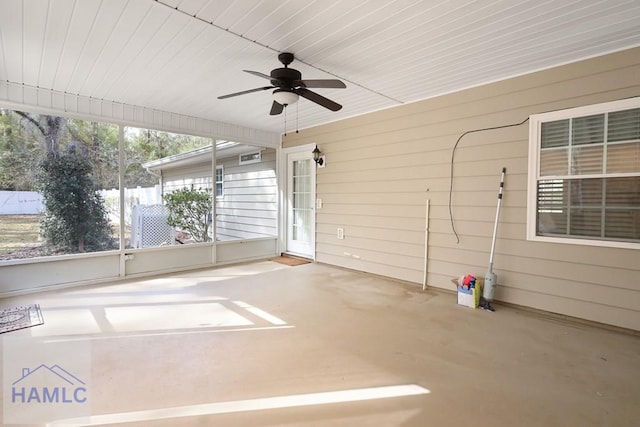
x: 272, y: 341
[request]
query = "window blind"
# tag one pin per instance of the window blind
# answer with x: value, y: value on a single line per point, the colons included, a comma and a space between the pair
x: 588, y: 182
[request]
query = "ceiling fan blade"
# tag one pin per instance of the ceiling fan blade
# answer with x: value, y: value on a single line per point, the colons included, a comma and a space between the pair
x: 259, y: 74
x: 318, y: 99
x: 276, y: 108
x: 322, y: 83
x: 245, y: 92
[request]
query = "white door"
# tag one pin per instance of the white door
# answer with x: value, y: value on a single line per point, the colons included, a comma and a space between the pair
x: 301, y: 189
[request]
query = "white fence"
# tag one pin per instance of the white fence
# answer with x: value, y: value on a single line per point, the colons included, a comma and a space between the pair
x: 31, y: 202
x: 20, y: 203
x: 132, y: 197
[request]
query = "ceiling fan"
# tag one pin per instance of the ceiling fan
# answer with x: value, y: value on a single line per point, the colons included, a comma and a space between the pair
x: 288, y: 85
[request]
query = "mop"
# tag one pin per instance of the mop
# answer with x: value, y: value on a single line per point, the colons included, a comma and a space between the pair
x: 490, y: 278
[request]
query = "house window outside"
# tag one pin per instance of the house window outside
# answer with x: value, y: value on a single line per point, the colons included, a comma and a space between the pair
x: 219, y: 181
x: 248, y: 158
x: 584, y: 175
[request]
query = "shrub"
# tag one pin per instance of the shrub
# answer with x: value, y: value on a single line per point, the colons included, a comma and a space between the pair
x: 75, y: 219
x: 190, y: 210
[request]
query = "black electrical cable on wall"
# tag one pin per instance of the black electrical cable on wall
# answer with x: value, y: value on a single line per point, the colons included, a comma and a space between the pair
x: 453, y: 153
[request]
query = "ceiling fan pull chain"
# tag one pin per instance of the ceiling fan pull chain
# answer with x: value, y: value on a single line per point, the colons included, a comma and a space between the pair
x: 297, y: 109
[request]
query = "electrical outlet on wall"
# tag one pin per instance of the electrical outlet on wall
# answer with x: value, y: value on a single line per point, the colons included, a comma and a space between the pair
x: 340, y: 233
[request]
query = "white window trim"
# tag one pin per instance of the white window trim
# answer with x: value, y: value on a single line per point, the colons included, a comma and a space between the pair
x: 535, y: 126
x: 248, y: 162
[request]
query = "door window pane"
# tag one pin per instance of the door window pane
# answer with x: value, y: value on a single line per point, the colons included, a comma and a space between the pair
x: 302, y: 205
x: 302, y: 226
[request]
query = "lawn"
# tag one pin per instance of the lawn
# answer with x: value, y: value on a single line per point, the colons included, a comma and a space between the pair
x: 18, y: 233
x: 19, y: 237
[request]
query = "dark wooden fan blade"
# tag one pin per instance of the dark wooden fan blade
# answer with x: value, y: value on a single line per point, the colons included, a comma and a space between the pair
x: 256, y: 73
x: 276, y: 108
x: 245, y: 92
x: 318, y: 99
x: 322, y: 83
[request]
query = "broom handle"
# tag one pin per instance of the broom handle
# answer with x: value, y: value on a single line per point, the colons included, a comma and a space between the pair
x: 495, y: 225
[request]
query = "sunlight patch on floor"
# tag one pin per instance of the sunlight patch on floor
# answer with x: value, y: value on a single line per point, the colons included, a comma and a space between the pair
x: 73, y: 321
x: 175, y: 316
x: 260, y: 313
x: 150, y: 315
x: 279, y: 402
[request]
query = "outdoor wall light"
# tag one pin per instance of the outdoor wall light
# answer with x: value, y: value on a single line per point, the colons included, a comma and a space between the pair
x: 317, y: 156
x: 285, y: 97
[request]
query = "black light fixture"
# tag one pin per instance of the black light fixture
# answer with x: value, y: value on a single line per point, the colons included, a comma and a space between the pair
x: 317, y: 156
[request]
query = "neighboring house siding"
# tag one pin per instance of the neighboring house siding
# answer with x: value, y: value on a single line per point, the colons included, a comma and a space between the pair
x: 248, y: 207
x: 198, y: 176
x: 382, y: 167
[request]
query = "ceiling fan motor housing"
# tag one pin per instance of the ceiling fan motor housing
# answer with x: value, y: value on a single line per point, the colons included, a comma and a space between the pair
x: 285, y: 77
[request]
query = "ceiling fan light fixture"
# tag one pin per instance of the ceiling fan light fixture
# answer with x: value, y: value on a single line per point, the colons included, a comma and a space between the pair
x: 285, y: 97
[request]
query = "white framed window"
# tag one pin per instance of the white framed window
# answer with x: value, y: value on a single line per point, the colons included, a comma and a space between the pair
x: 248, y: 158
x: 219, y: 181
x: 584, y: 175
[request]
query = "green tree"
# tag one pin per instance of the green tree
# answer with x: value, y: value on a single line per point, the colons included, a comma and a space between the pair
x: 190, y: 210
x: 27, y: 138
x: 101, y: 141
x: 51, y: 130
x: 144, y: 145
x: 19, y: 154
x: 75, y: 219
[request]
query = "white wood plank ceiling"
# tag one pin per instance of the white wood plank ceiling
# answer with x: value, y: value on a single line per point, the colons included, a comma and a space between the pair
x: 180, y: 55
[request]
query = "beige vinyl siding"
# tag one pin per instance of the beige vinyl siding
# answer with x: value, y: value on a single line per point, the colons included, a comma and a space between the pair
x: 382, y: 167
x: 248, y: 208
